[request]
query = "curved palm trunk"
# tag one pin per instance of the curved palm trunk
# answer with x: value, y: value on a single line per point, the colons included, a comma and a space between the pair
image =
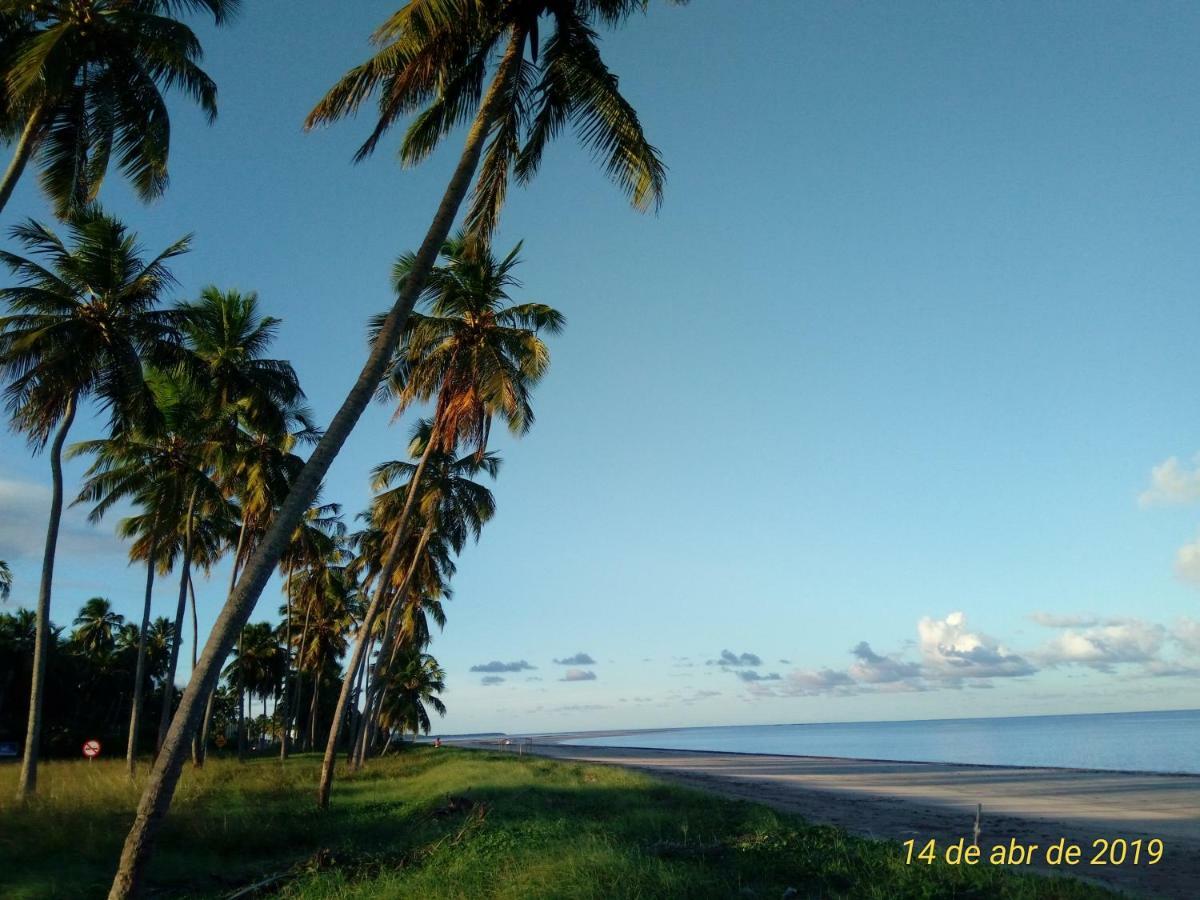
x: 27, y: 144
x: 135, y: 717
x: 27, y: 784
x: 197, y: 745
x: 185, y: 564
x: 160, y: 788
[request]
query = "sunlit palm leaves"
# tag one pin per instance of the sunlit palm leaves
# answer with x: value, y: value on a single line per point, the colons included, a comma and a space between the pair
x: 433, y: 57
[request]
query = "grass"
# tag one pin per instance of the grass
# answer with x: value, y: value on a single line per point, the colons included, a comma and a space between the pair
x: 456, y: 823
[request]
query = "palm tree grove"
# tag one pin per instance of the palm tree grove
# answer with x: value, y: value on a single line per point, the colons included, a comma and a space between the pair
x: 251, y: 707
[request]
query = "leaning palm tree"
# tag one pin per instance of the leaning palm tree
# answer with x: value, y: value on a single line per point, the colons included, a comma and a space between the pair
x: 5, y: 580
x: 435, y: 54
x: 83, y: 317
x: 96, y: 627
x: 82, y: 78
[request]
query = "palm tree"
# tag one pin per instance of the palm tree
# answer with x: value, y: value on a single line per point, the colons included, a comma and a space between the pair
x: 96, y: 627
x: 163, y: 467
x: 228, y: 338
x: 434, y: 53
x: 325, y: 598
x: 80, y: 326
x: 256, y: 406
x: 452, y: 508
x: 318, y: 537
x: 410, y: 685
x: 258, y: 666
x: 5, y: 581
x: 475, y: 356
x: 84, y: 77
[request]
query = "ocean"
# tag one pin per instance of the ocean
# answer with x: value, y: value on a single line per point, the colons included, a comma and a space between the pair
x: 1140, y: 741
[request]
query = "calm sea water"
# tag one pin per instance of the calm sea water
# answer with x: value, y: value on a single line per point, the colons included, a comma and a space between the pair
x: 1148, y: 742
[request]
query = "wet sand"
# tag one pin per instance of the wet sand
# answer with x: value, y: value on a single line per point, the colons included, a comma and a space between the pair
x: 899, y: 801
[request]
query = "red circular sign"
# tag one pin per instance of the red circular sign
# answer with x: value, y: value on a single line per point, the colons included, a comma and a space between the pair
x: 91, y: 748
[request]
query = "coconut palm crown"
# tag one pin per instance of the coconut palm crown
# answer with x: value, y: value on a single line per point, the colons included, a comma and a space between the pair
x: 434, y: 56
x: 83, y: 80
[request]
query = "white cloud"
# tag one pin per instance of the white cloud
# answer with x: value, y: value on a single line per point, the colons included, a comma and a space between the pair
x: 1070, y: 620
x: 579, y: 675
x: 1106, y: 645
x: 952, y: 652
x: 1171, y: 484
x: 1187, y: 562
x: 1187, y: 634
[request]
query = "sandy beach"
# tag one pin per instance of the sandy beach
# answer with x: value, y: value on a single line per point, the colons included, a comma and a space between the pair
x: 899, y: 801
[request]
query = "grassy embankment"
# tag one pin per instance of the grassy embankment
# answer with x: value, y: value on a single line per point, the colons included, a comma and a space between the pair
x: 455, y: 823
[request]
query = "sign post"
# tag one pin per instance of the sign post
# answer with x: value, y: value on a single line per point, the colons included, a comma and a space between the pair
x: 91, y: 749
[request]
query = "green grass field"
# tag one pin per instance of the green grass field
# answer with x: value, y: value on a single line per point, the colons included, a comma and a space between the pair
x: 455, y: 823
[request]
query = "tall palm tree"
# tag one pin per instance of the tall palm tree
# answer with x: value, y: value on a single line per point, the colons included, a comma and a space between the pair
x: 256, y: 406
x: 477, y: 357
x: 164, y: 468
x: 5, y: 581
x: 82, y: 78
x: 435, y: 54
x: 80, y: 325
x: 96, y: 627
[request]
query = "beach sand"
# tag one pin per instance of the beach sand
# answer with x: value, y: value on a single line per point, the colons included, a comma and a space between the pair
x: 899, y: 801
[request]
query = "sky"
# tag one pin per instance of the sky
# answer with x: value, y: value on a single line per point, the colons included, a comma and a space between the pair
x: 889, y: 413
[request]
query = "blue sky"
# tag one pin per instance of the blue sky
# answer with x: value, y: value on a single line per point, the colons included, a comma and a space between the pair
x: 893, y: 365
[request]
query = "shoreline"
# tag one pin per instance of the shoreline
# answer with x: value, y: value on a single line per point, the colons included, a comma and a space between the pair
x: 897, y: 801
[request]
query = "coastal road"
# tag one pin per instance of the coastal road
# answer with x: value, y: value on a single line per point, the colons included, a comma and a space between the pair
x: 899, y: 801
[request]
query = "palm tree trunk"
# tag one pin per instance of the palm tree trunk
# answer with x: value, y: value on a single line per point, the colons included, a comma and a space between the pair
x: 365, y: 679
x: 27, y: 144
x: 287, y: 674
x: 135, y: 717
x: 300, y: 680
x: 197, y: 748
x: 160, y: 787
x: 200, y: 742
x: 312, y: 713
x: 185, y: 565
x: 241, y: 696
x: 27, y: 784
x: 208, y: 714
